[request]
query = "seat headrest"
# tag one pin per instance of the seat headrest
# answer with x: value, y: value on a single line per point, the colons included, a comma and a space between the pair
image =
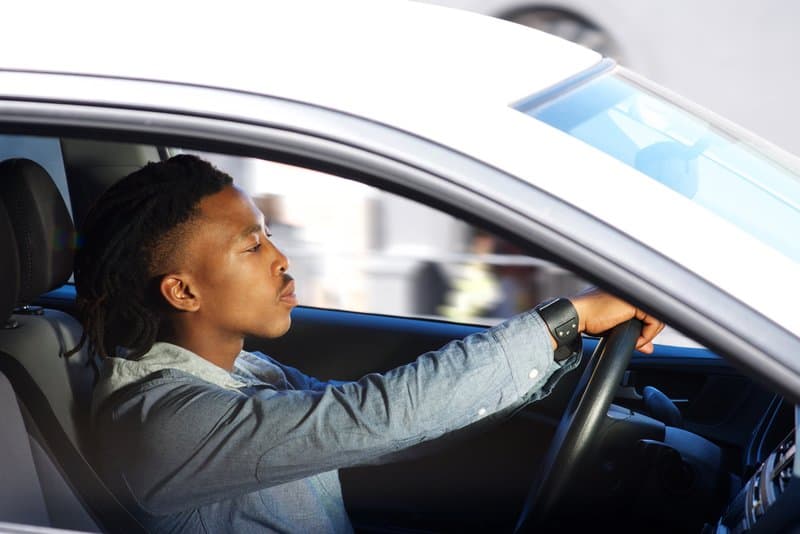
x: 9, y: 267
x: 43, y: 229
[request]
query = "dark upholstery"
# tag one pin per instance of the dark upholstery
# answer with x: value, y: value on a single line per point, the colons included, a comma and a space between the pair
x: 43, y: 238
x: 55, y: 390
x: 32, y: 490
x: 21, y: 495
x: 9, y: 267
x: 44, y: 230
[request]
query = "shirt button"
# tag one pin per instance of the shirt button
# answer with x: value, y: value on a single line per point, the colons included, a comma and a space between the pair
x: 533, y: 374
x: 482, y: 412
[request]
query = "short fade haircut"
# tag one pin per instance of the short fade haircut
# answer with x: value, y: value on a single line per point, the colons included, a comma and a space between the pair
x: 131, y: 237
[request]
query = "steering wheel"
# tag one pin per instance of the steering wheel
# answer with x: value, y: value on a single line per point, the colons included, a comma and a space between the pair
x: 581, y: 421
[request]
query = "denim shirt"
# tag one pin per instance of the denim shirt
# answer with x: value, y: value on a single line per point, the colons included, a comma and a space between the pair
x: 190, y: 447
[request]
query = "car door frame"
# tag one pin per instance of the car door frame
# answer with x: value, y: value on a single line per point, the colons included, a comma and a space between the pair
x: 326, y: 140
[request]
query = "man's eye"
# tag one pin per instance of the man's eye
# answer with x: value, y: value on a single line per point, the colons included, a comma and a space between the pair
x: 255, y: 248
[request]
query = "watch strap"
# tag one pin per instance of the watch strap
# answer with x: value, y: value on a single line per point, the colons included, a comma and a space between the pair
x: 561, y: 319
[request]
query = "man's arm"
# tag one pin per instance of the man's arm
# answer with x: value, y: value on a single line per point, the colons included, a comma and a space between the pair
x: 181, y: 443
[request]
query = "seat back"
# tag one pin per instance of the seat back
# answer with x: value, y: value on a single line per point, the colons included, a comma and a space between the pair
x: 66, y: 382
x: 32, y: 491
x: 21, y: 496
x: 45, y: 239
x: 54, y: 390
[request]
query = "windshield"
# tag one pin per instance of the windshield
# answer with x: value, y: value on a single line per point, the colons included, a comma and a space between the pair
x: 718, y: 168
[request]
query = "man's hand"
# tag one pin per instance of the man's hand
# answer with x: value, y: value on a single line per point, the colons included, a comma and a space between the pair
x: 598, y: 311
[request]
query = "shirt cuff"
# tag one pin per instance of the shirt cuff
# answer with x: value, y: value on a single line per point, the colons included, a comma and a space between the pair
x: 527, y: 346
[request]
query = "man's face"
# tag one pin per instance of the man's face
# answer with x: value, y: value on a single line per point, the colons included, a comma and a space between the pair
x: 238, y: 275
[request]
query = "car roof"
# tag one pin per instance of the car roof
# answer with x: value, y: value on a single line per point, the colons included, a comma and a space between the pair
x: 312, y: 51
x: 420, y: 68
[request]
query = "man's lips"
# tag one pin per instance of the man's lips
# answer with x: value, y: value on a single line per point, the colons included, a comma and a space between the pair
x: 287, y: 295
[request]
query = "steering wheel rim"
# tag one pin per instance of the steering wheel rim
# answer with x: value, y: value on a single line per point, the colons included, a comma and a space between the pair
x: 581, y: 421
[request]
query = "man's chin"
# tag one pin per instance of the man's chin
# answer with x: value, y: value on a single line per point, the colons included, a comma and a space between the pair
x: 274, y: 330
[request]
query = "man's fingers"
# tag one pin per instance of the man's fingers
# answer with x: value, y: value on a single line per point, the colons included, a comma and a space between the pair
x: 651, y: 327
x: 651, y: 330
x: 598, y: 311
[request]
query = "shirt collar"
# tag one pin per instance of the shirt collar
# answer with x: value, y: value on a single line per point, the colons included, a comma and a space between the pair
x: 168, y: 356
x: 120, y: 371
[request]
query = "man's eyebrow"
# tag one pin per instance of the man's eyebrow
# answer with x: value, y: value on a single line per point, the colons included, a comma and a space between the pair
x: 250, y: 230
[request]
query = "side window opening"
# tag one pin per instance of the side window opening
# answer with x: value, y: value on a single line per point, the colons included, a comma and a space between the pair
x: 357, y: 248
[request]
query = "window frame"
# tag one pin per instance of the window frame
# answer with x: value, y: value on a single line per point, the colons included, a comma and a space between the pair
x: 400, y: 162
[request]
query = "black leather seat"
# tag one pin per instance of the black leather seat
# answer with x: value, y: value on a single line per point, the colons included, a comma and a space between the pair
x: 45, y: 237
x: 54, y: 390
x: 32, y: 491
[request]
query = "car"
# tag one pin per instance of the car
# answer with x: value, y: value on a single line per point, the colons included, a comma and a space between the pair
x: 355, y: 115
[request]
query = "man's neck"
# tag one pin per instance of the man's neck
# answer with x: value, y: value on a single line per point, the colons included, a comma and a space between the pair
x: 220, y: 351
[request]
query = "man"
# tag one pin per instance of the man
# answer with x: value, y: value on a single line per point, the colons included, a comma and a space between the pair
x: 194, y: 434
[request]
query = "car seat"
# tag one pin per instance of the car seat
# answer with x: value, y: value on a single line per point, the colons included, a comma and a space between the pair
x: 54, y: 390
x: 26, y: 468
x: 45, y: 236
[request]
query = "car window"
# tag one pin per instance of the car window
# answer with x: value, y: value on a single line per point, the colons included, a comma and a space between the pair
x: 46, y: 151
x: 713, y: 164
x: 354, y: 247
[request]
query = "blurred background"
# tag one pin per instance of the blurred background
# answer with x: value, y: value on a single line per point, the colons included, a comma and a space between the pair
x: 735, y: 58
x: 357, y: 248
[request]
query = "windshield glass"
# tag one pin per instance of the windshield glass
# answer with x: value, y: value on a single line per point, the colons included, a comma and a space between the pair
x: 715, y: 167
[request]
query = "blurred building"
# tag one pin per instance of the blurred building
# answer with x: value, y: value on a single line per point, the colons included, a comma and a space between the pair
x: 357, y: 248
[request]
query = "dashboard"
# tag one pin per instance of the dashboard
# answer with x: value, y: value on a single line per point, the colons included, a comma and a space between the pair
x: 770, y: 500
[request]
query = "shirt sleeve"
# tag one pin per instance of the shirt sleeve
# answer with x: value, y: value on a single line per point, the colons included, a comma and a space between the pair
x: 297, y: 378
x: 180, y: 442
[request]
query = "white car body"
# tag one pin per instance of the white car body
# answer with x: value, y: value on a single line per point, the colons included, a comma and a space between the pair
x: 413, y: 85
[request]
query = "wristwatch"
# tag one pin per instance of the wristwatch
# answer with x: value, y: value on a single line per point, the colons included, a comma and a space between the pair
x: 561, y: 319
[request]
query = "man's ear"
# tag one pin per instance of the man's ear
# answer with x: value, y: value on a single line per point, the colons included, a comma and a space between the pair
x: 177, y: 290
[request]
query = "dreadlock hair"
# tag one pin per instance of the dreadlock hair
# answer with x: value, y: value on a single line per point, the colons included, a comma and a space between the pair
x: 130, y: 236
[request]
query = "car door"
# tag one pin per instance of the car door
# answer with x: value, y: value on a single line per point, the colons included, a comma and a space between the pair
x: 714, y: 398
x: 404, y: 278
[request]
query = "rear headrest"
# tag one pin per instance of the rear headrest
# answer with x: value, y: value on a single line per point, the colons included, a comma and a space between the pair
x: 9, y: 267
x: 43, y: 228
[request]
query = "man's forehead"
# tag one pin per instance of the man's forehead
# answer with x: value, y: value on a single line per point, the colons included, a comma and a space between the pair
x: 233, y: 210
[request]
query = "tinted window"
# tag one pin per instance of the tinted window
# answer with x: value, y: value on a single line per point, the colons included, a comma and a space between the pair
x: 723, y: 170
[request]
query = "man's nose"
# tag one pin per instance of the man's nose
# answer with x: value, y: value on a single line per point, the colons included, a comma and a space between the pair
x: 281, y: 263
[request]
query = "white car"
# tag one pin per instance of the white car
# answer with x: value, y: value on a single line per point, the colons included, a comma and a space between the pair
x: 537, y: 141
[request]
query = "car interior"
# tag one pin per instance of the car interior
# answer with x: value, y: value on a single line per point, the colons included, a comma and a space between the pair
x: 685, y: 432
